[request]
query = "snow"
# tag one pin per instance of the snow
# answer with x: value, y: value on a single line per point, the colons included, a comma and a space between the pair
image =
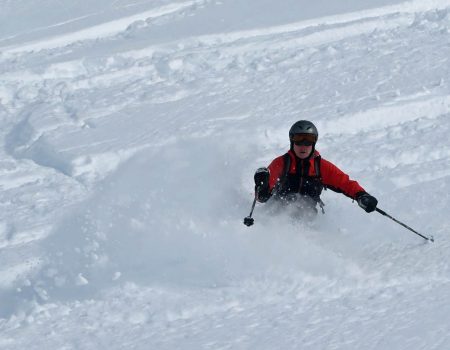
x: 103, y: 30
x: 131, y: 131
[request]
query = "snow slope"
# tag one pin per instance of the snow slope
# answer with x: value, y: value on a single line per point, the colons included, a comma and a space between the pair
x: 130, y: 134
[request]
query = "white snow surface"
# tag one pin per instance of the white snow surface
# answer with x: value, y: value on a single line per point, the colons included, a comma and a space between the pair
x: 130, y: 132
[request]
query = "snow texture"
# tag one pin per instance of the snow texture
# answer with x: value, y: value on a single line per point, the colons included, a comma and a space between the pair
x: 131, y: 131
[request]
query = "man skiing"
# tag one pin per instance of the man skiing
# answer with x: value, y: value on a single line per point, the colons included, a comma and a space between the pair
x: 301, y: 174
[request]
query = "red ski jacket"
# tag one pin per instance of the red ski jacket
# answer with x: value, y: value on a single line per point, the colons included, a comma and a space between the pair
x: 331, y: 176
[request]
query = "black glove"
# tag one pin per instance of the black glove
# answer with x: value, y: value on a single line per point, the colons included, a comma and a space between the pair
x: 262, y: 177
x: 262, y: 184
x: 366, y: 201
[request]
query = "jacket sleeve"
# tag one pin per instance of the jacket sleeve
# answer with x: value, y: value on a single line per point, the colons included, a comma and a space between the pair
x: 335, y: 179
x: 276, y: 169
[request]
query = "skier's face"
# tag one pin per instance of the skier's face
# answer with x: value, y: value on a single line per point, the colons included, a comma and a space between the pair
x: 302, y: 152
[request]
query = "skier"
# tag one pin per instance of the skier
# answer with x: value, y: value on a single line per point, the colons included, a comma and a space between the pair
x: 301, y: 174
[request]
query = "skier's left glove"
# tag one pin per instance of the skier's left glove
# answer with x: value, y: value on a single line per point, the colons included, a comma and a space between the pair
x: 262, y: 184
x: 366, y: 201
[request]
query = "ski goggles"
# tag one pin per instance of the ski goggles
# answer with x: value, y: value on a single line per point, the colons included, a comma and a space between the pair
x: 304, y: 139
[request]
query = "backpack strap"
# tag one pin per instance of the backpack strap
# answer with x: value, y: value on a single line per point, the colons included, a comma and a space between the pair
x: 319, y: 176
x: 286, y: 167
x: 283, y: 177
x: 317, y: 167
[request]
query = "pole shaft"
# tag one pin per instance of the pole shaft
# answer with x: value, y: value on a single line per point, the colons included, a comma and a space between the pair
x: 253, y: 207
x: 382, y: 212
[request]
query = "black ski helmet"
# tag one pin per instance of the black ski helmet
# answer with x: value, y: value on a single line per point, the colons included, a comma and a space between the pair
x: 303, y: 127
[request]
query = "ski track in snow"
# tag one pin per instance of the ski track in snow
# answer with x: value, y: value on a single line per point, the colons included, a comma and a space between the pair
x: 100, y: 31
x: 112, y: 236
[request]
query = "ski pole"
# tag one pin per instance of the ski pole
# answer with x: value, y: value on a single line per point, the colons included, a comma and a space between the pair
x: 406, y: 226
x: 248, y: 220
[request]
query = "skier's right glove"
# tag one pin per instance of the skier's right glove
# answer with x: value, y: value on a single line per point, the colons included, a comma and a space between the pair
x: 366, y: 201
x: 262, y: 184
